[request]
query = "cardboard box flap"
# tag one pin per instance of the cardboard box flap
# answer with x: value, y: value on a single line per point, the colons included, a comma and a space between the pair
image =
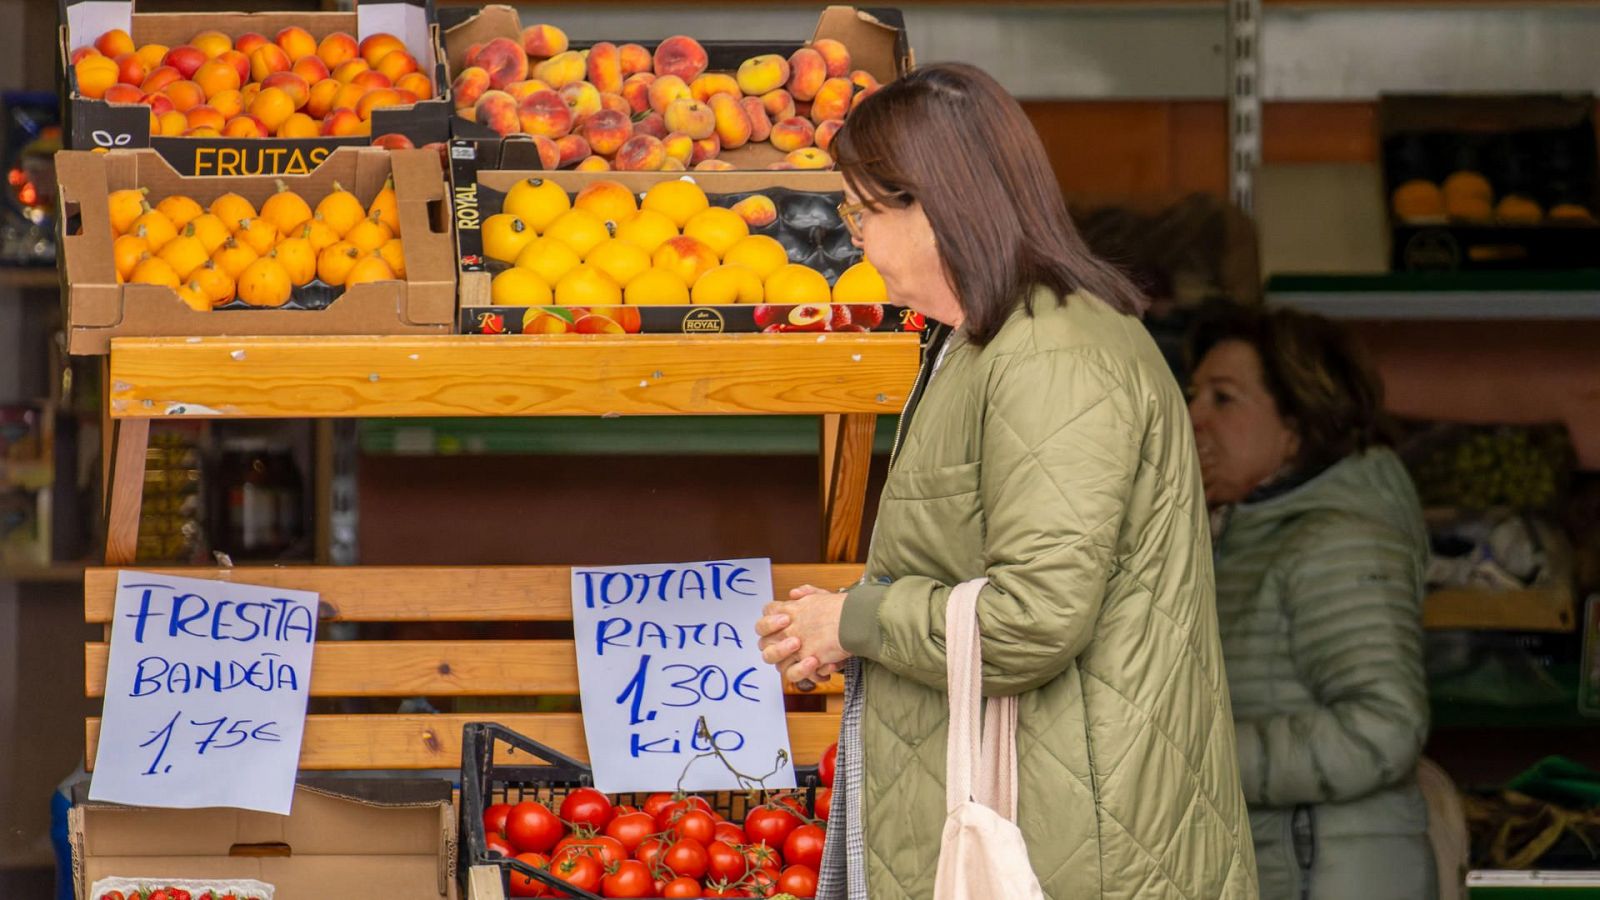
x: 93, y: 18
x: 489, y: 23
x: 876, y: 38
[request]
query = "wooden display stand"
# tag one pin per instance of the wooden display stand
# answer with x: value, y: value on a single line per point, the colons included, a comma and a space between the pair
x: 846, y: 378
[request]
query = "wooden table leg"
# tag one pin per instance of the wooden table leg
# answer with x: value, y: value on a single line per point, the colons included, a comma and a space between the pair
x: 130, y: 444
x: 847, y: 457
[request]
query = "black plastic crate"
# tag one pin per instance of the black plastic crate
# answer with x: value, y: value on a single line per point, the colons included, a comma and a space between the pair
x: 548, y: 777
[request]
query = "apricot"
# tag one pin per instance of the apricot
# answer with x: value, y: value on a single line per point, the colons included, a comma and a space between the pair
x: 296, y: 87
x: 205, y: 116
x: 733, y: 126
x: 337, y: 48
x: 95, y: 74
x: 682, y: 56
x: 711, y: 84
x: 606, y: 131
x: 320, y: 100
x: 543, y: 41
x: 266, y: 59
x: 159, y: 77
x: 605, y: 67
x: 372, y: 80
x: 152, y: 55
x: 174, y: 123
x: 761, y: 74
x: 211, y: 43
x: 835, y: 54
x: 397, y: 64
x: 273, y: 106
x: 793, y: 133
x: 350, y: 68
x: 393, y: 141
x: 124, y: 93
x: 468, y: 86
x: 544, y: 113
x: 833, y: 100
x: 83, y: 53
x: 418, y: 84
x: 341, y: 122
x: 185, y: 95
x: 505, y: 62
x: 131, y: 70
x: 374, y: 100
x: 311, y: 68
x: 158, y: 103
x: 497, y: 110
x: 248, y: 42
x: 635, y: 60
x: 807, y: 71
x: 296, y: 42
x: 691, y: 117
x: 240, y: 63
x: 349, y: 96
x: 562, y: 69
x: 114, y: 43
x: 641, y: 153
x: 375, y: 47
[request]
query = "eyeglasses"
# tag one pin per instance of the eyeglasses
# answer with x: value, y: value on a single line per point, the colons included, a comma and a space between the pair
x: 850, y: 213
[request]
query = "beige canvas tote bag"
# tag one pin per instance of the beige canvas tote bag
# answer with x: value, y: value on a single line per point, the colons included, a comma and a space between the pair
x: 982, y: 855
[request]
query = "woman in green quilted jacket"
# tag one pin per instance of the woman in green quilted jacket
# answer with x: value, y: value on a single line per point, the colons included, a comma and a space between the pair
x: 1320, y: 557
x: 1046, y: 447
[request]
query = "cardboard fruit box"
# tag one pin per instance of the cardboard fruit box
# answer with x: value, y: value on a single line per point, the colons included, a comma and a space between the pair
x: 372, y: 837
x: 805, y: 222
x: 99, y: 308
x: 875, y: 38
x: 95, y: 123
x: 1490, y: 182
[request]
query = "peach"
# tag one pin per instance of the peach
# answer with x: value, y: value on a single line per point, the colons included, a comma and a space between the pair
x: 617, y: 103
x: 864, y: 80
x: 635, y: 59
x: 266, y: 59
x: 188, y: 60
x: 114, y: 43
x: 497, y: 110
x: 653, y: 124
x: 336, y: 48
x: 809, y: 158
x: 341, y: 122
x: 793, y: 133
x: 549, y: 153
x: 682, y: 56
x: 419, y: 84
x: 706, y: 148
x: 679, y: 146
x: 311, y: 68
x: 833, y: 101
x: 545, y: 114
x: 836, y: 54
x: 690, y: 117
x: 131, y: 70
x: 321, y: 97
x: 605, y: 67
x: 636, y: 90
x: 860, y: 98
x: 779, y: 104
x: 826, y: 131
x: 713, y: 165
x: 572, y: 150
x: 393, y: 141
x: 470, y: 58
x: 205, y: 116
x: 562, y: 69
x: 377, y: 46
x: 807, y: 71
x: 760, y: 125
x: 505, y: 62
x: 593, y: 164
x: 350, y: 68
x: 292, y: 84
x: 296, y: 42
x: 212, y: 43
x: 159, y: 78
x: 757, y: 210
x: 248, y: 42
x: 543, y: 41
x: 666, y: 89
x: 711, y: 84
x: 673, y: 165
x: 299, y: 125
x: 469, y: 86
x: 397, y: 64
x: 803, y: 109
x: 372, y: 80
x: 606, y: 131
x: 641, y: 153
x: 124, y: 93
x: 582, y: 99
x: 374, y: 100
x: 521, y: 89
x: 760, y: 74
x: 185, y: 95
x: 152, y: 55
x: 245, y: 126
x: 733, y: 123
x: 240, y: 63
x: 684, y: 257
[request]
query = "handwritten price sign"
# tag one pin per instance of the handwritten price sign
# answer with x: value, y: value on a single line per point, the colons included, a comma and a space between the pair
x: 661, y: 647
x: 205, y: 696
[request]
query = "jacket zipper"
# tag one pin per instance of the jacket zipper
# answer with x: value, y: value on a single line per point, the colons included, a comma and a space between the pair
x: 930, y: 358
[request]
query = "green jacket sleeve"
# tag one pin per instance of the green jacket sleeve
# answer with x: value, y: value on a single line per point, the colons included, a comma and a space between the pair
x: 1352, y: 595
x: 1059, y: 451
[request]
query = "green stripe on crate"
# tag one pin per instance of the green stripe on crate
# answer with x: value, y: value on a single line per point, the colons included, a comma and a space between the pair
x: 591, y: 435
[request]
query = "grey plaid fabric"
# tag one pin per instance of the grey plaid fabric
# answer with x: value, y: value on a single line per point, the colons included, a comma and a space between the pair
x: 844, y: 862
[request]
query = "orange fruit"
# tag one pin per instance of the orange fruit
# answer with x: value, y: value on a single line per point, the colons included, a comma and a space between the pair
x: 286, y: 209
x: 335, y: 262
x: 341, y: 210
x: 126, y: 206
x: 232, y: 209
x: 152, y: 270
x: 394, y: 253
x: 126, y: 252
x: 367, y: 269
x: 265, y: 282
x: 536, y: 201
x: 297, y: 259
x: 233, y: 257
x: 386, y: 206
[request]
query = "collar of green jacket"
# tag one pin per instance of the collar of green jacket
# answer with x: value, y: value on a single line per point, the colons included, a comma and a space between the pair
x: 1373, y: 485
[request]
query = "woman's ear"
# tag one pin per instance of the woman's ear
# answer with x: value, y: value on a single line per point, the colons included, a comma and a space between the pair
x: 1291, y: 442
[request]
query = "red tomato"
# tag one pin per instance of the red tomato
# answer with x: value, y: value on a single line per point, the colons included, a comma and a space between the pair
x: 532, y: 828
x: 761, y: 856
x: 586, y: 806
x: 762, y: 883
x: 686, y: 857
x: 724, y: 889
x: 824, y: 803
x: 117, y: 895
x: 649, y: 851
x: 668, y: 815
x: 629, y: 879
x: 830, y: 759
x: 178, y: 894
x: 770, y: 825
x: 728, y: 832
x: 631, y: 829
x: 159, y: 895
x: 681, y: 887
x: 794, y: 803
x: 800, y: 881
x: 725, y: 862
x: 803, y: 847
x: 696, y: 825
x: 608, y: 850
x: 655, y: 803
x: 494, y: 818
x: 494, y: 843
x: 579, y: 871
x: 622, y: 810
x: 526, y: 885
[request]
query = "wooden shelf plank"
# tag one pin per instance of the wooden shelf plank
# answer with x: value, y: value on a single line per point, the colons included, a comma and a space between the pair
x: 433, y: 668
x: 434, y: 741
x: 55, y: 573
x: 430, y: 593
x: 520, y: 375
x: 1535, y: 609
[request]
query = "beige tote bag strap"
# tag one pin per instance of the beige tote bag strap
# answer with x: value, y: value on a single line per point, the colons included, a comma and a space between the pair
x: 981, y: 761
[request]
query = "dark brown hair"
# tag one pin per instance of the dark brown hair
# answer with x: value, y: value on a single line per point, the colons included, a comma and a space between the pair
x: 1322, y: 382
x: 948, y: 136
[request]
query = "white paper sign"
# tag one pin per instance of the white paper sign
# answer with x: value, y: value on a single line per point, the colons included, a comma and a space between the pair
x: 205, y: 698
x: 661, y: 647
